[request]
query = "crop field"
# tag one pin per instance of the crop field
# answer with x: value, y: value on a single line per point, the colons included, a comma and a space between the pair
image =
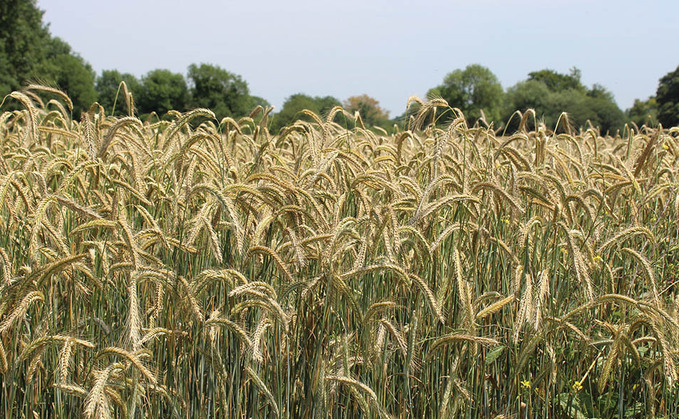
x: 188, y: 267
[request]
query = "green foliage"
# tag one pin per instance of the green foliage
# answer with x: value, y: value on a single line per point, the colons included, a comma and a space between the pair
x: 369, y: 109
x: 557, y: 82
x: 473, y: 90
x: 254, y: 101
x: 550, y: 94
x: 28, y: 53
x: 667, y: 97
x: 212, y: 87
x: 297, y: 103
x: 70, y: 73
x: 107, y: 86
x: 23, y: 39
x: 161, y: 91
x: 643, y: 112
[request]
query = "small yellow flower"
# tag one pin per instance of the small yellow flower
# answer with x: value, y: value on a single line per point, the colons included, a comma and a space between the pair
x: 597, y: 258
x: 665, y: 146
x: 577, y: 386
x: 525, y: 384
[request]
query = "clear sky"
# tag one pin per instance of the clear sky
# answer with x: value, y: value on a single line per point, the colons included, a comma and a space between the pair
x: 388, y: 49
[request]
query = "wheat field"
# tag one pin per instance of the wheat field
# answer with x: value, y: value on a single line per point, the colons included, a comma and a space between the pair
x: 188, y: 267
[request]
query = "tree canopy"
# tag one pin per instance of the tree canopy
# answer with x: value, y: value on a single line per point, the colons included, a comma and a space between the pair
x: 107, y: 86
x: 162, y: 91
x: 225, y: 93
x: 557, y: 82
x: 643, y: 112
x: 550, y: 94
x: 667, y: 97
x: 472, y: 90
x: 29, y: 53
x: 369, y: 109
x: 293, y: 105
x: 23, y: 43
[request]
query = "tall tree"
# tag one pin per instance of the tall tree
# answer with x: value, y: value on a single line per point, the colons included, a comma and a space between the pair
x: 369, y: 109
x: 225, y: 93
x: 107, y: 86
x: 550, y: 94
x: 296, y: 103
x: 667, y: 97
x: 473, y: 90
x: 161, y: 91
x: 643, y: 112
x: 23, y: 38
x: 557, y: 82
x: 69, y: 72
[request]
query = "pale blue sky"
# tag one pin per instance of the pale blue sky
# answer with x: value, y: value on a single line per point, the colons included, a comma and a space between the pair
x: 387, y: 49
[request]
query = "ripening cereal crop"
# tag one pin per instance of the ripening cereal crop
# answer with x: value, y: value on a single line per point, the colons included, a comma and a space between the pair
x: 190, y: 267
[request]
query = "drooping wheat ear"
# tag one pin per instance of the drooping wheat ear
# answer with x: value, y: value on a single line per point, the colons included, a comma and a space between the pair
x: 579, y: 265
x: 215, y: 246
x: 263, y: 324
x: 185, y: 119
x: 134, y: 318
x: 127, y: 96
x: 193, y: 302
x: 234, y: 327
x: 47, y: 89
x: 263, y: 389
x: 495, y: 307
x: 377, y: 308
x: 6, y: 267
x: 128, y: 237
x: 648, y: 272
x: 97, y: 403
x: 398, y: 337
x: 526, y: 308
x: 643, y: 157
x: 20, y: 310
x: 358, y: 386
x: 87, y: 123
x: 430, y: 297
x: 457, y: 338
x: 626, y: 234
x: 541, y: 296
x: 381, y: 335
x: 132, y: 357
x: 31, y: 135
x: 3, y: 358
x: 464, y: 292
x: 279, y: 262
x: 110, y: 134
x: 65, y: 359
x: 499, y: 191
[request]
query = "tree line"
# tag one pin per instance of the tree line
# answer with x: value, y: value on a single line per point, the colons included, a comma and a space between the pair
x: 29, y: 53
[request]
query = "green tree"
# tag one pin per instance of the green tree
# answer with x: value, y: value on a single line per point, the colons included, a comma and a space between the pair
x: 161, y: 91
x: 473, y: 90
x: 667, y: 97
x: 369, y: 109
x: 643, y: 112
x: 550, y: 94
x: 293, y: 105
x: 225, y: 93
x: 69, y: 72
x: 23, y: 43
x: 28, y: 53
x: 557, y: 82
x: 107, y: 86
